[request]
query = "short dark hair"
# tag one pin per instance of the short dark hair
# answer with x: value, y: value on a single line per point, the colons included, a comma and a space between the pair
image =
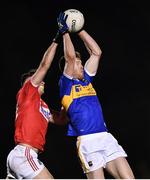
x: 24, y: 76
x: 62, y: 61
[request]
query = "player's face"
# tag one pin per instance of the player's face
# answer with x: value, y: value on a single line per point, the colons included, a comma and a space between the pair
x: 41, y: 88
x: 78, y: 69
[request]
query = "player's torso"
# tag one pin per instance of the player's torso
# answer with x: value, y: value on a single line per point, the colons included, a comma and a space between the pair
x: 32, y: 117
x: 83, y: 108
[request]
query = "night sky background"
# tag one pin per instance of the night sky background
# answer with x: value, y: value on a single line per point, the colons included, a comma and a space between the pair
x: 122, y: 29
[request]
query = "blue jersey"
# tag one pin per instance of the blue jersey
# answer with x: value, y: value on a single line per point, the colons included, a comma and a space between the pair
x: 82, y: 105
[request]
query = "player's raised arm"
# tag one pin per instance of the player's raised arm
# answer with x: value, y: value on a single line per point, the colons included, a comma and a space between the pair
x: 69, y: 51
x: 94, y: 52
x: 45, y: 64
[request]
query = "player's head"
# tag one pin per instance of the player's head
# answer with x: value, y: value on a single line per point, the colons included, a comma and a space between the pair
x: 78, y: 68
x: 26, y: 75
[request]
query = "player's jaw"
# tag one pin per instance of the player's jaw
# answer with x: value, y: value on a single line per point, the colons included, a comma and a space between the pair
x: 41, y: 88
x: 78, y: 73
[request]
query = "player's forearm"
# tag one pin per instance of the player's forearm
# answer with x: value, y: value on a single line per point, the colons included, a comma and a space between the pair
x: 69, y: 51
x: 90, y: 43
x: 49, y: 55
x: 59, y: 118
x: 44, y: 65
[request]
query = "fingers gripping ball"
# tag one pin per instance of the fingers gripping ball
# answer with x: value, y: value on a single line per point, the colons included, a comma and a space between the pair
x: 75, y: 20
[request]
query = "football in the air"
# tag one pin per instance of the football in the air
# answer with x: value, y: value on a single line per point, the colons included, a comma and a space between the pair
x: 75, y: 20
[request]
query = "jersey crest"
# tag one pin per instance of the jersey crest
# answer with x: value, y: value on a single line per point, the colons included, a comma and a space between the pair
x: 45, y: 112
x: 78, y: 91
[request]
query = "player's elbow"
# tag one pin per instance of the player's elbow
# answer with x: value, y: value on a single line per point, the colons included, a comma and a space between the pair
x: 70, y: 58
x: 98, y: 52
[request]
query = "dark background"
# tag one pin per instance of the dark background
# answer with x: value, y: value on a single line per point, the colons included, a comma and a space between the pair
x: 122, y: 29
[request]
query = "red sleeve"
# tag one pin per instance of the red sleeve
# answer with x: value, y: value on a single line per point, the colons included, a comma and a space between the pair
x: 28, y: 91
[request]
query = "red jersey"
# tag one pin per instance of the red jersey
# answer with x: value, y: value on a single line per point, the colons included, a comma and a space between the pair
x: 32, y: 117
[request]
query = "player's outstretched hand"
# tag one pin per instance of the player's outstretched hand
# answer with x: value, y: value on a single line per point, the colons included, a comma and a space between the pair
x: 62, y: 25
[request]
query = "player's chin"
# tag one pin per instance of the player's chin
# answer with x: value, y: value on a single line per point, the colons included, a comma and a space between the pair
x: 41, y: 91
x: 81, y: 76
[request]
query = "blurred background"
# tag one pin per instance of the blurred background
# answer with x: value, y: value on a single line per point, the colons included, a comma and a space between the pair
x: 122, y: 29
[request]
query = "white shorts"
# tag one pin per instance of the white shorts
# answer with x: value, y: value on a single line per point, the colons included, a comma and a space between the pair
x: 95, y: 150
x: 23, y: 163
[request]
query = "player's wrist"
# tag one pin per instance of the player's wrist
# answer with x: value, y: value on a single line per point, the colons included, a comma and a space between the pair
x: 80, y: 31
x: 57, y: 39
